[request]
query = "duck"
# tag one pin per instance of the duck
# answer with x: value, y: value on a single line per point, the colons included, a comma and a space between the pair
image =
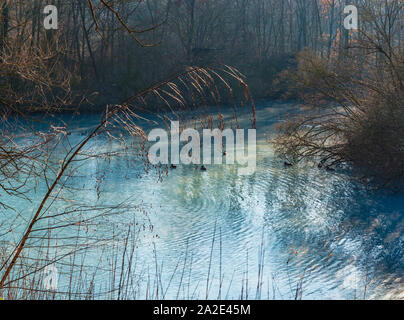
x: 287, y: 164
x: 321, y: 164
x: 173, y: 167
x: 203, y: 168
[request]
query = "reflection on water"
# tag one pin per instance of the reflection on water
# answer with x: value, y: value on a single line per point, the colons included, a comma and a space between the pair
x: 296, y: 225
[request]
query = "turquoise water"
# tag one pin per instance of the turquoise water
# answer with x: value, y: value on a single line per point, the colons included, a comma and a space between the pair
x: 281, y: 228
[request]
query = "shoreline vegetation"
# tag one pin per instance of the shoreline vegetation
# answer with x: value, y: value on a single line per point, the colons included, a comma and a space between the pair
x: 355, y: 102
x: 210, y: 53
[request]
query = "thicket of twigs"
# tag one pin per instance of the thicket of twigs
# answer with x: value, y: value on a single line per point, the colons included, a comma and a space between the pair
x: 355, y: 100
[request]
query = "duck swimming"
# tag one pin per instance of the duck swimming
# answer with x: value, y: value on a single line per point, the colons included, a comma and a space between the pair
x: 321, y: 164
x: 287, y: 164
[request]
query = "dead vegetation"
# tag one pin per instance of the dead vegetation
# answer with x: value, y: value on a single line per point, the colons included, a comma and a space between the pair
x: 355, y: 100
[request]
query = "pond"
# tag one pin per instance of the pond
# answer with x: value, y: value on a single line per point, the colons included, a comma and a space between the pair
x: 280, y: 233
